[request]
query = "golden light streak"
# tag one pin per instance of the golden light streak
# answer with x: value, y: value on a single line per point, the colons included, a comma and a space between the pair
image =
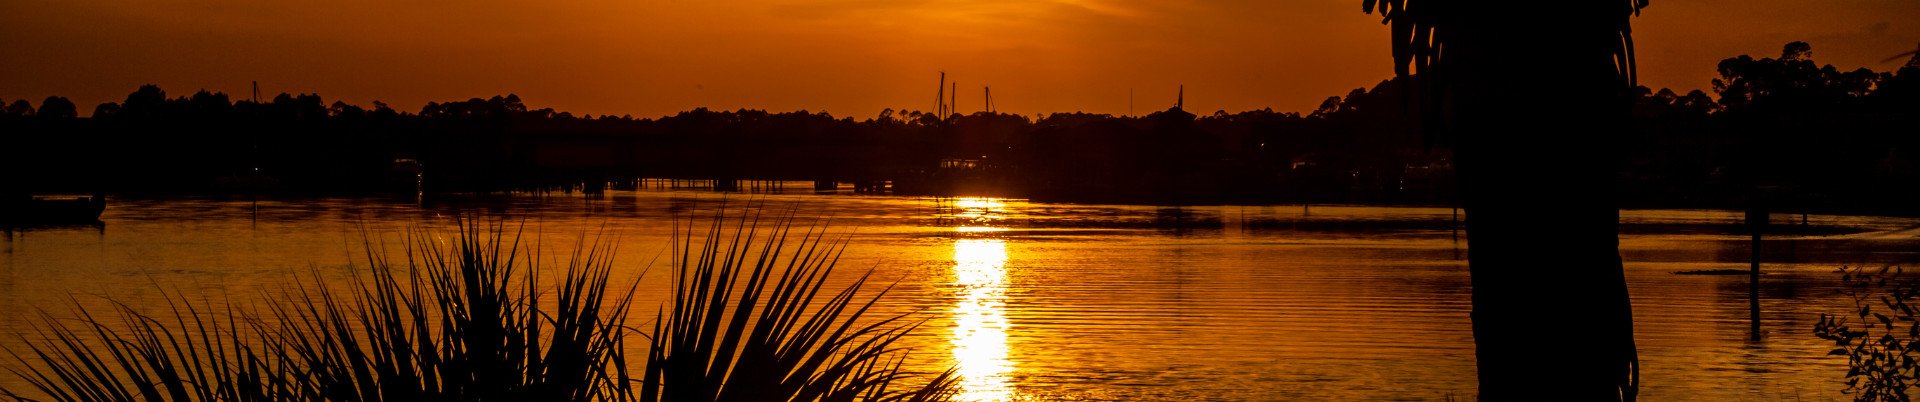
x: 977, y: 212
x: 978, y: 229
x: 980, y: 319
x: 979, y: 203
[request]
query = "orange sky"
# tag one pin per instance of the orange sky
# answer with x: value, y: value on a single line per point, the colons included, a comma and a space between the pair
x: 848, y: 57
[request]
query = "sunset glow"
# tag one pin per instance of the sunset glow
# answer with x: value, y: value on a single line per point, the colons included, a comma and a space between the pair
x: 847, y: 57
x: 960, y: 200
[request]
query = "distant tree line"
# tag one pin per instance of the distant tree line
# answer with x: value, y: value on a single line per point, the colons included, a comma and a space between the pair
x: 1813, y: 136
x: 1826, y: 137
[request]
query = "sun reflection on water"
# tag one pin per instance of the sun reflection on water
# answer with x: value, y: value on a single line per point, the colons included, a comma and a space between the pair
x: 980, y: 319
x: 979, y: 203
x: 978, y: 229
x: 975, y: 211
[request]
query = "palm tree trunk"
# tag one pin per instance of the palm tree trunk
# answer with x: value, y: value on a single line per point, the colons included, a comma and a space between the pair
x: 1536, y: 105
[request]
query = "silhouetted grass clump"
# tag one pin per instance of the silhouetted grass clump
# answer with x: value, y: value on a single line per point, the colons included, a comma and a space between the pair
x: 468, y: 319
x: 1881, y: 347
x: 748, y: 322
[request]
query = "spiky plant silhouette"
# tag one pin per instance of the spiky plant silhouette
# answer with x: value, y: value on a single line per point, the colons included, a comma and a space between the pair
x: 467, y: 319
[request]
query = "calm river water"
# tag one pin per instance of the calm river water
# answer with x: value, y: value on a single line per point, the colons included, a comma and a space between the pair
x: 1040, y: 301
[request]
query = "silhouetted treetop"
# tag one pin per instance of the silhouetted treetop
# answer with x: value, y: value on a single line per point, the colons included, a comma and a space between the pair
x: 495, y: 107
x: 1793, y: 79
x: 210, y: 102
x: 56, y: 107
x: 1797, y: 50
x: 144, y: 102
x: 20, y: 108
x: 107, y: 110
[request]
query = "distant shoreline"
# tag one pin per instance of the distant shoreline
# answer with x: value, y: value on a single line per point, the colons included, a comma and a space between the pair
x: 801, y: 191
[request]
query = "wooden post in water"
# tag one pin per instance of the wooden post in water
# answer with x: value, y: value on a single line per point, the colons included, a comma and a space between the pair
x: 1456, y: 232
x: 1456, y: 224
x: 1756, y: 223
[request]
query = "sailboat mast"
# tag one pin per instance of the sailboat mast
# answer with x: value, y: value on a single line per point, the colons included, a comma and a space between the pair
x: 988, y: 102
x: 1180, y: 102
